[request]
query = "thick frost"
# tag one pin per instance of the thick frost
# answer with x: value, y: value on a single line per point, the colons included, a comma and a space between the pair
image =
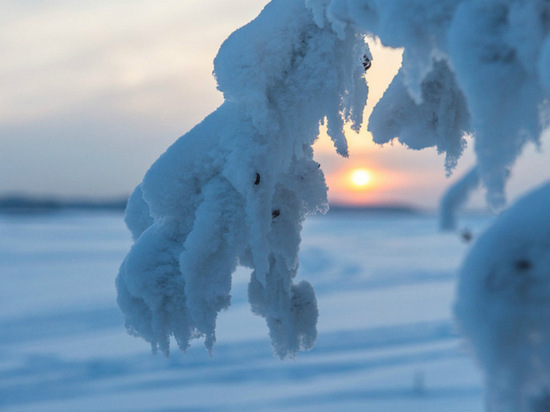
x: 440, y: 119
x: 497, y: 52
x: 503, y: 305
x: 236, y: 188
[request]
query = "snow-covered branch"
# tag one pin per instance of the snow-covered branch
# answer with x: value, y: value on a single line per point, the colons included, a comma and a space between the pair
x: 498, y: 53
x: 236, y: 189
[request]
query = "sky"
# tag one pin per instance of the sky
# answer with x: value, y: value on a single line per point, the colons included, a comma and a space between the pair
x: 92, y: 92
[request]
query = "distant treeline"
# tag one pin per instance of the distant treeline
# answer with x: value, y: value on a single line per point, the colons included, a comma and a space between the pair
x: 29, y: 204
x: 387, y: 208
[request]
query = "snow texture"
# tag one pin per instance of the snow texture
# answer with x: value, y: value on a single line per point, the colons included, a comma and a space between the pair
x: 440, y: 120
x: 490, y: 60
x: 235, y: 190
x: 502, y: 305
x: 386, y: 338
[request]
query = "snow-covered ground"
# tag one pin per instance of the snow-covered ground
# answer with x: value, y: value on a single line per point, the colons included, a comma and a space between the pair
x: 387, y: 342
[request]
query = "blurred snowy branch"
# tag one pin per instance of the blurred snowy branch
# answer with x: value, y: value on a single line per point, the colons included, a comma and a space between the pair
x: 455, y: 197
x: 502, y: 303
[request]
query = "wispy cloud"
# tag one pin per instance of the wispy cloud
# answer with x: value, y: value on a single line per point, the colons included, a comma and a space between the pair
x: 58, y: 54
x: 91, y: 92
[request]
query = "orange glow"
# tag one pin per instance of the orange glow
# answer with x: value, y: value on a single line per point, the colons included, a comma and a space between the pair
x: 357, y: 183
x: 360, y: 178
x: 369, y: 176
x: 348, y: 184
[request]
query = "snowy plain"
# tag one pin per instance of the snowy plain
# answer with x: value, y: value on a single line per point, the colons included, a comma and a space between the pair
x: 385, y: 285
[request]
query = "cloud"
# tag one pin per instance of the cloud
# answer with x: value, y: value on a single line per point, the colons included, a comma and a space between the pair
x: 58, y: 54
x: 91, y: 92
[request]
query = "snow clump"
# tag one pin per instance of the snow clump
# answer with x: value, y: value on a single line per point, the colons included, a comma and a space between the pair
x: 236, y: 189
x: 503, y: 308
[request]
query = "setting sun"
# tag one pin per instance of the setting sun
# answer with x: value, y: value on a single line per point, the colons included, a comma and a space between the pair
x: 360, y: 177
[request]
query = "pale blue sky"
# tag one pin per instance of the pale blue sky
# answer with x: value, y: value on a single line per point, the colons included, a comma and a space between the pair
x: 92, y: 92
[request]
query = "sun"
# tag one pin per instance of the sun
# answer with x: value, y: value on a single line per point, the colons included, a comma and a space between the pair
x: 360, y: 178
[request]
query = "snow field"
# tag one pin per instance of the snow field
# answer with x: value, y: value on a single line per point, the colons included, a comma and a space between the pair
x: 386, y: 341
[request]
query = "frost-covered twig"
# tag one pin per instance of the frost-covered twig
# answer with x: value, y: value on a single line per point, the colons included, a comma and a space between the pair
x: 455, y: 197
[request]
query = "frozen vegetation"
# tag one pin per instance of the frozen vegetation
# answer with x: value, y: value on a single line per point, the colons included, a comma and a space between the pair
x: 468, y: 67
x: 455, y: 197
x: 236, y: 189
